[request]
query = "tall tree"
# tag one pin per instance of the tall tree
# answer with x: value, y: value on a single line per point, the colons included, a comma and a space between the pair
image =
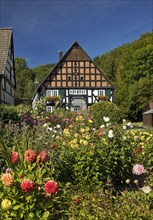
x: 24, y: 82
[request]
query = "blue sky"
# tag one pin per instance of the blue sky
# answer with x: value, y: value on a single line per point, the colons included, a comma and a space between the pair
x: 42, y: 27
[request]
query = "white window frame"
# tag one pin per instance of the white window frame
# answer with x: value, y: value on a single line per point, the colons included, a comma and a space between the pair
x: 101, y: 92
x: 51, y: 92
x: 50, y: 108
x: 78, y: 91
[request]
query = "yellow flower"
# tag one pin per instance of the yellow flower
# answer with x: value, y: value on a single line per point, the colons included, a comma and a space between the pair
x: 87, y: 137
x: 136, y: 182
x: 81, y: 141
x: 82, y: 130
x: 77, y: 119
x: 74, y: 141
x: 87, y: 129
x: 76, y: 135
x: 127, y: 181
x: 90, y: 121
x: 85, y: 143
x: 6, y: 203
x: 66, y: 130
x: 64, y: 143
x: 74, y: 145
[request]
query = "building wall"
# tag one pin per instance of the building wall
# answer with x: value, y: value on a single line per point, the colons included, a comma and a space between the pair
x: 8, y: 80
x: 148, y: 120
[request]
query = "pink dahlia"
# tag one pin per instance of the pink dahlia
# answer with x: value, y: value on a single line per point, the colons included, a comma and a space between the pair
x: 27, y: 185
x: 51, y: 187
x: 138, y: 169
x: 14, y: 157
x: 30, y: 155
x: 43, y: 156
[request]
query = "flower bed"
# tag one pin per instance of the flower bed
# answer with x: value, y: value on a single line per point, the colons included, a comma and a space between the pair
x: 73, y: 170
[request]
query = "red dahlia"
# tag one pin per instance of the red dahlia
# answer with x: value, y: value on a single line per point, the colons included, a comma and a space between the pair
x: 14, y: 157
x: 27, y: 185
x: 43, y: 156
x: 30, y: 155
x: 51, y: 187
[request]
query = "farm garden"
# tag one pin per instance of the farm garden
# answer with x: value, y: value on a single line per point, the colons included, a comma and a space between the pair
x: 65, y: 165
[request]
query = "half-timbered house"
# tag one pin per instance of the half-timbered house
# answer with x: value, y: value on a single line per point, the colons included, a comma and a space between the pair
x: 77, y: 80
x: 7, y: 70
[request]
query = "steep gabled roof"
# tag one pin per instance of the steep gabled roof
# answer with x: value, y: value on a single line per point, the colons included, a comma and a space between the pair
x: 5, y: 41
x: 74, y: 53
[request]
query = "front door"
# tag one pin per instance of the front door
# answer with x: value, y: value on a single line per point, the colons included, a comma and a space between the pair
x: 77, y: 104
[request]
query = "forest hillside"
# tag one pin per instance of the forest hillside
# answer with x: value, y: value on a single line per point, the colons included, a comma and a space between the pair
x: 130, y: 69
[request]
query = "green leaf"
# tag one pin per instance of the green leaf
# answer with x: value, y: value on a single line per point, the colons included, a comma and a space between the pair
x: 31, y: 215
x: 16, y: 207
x: 45, y: 215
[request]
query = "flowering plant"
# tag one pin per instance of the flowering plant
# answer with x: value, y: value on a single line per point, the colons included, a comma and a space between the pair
x: 28, y: 187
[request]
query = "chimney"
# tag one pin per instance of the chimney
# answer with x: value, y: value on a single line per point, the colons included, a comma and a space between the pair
x: 60, y: 54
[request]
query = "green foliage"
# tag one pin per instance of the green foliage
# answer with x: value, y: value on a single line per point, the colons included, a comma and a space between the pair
x: 101, y: 109
x: 107, y: 205
x: 24, y: 82
x: 93, y: 169
x: 42, y: 71
x: 8, y: 113
x: 129, y: 67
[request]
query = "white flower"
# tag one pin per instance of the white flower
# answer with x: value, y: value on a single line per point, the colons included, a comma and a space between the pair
x: 146, y: 189
x: 50, y: 129
x: 124, y: 120
x: 108, y: 124
x: 110, y: 135
x: 106, y: 119
x: 58, y: 126
x: 45, y: 125
x: 129, y: 124
x: 124, y: 127
x: 102, y: 126
x: 110, y: 131
x: 124, y: 137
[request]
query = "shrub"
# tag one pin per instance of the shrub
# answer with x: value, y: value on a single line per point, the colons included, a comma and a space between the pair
x: 101, y: 109
x: 9, y: 113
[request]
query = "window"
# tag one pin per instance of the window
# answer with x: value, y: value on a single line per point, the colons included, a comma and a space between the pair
x: 52, y: 93
x: 77, y: 91
x: 69, y: 77
x: 50, y: 108
x: 55, y: 93
x: 101, y: 92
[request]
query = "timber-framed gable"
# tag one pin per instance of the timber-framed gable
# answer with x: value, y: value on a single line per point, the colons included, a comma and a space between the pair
x: 77, y: 80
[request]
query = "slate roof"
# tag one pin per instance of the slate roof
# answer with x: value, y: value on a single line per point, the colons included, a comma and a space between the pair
x: 5, y: 41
